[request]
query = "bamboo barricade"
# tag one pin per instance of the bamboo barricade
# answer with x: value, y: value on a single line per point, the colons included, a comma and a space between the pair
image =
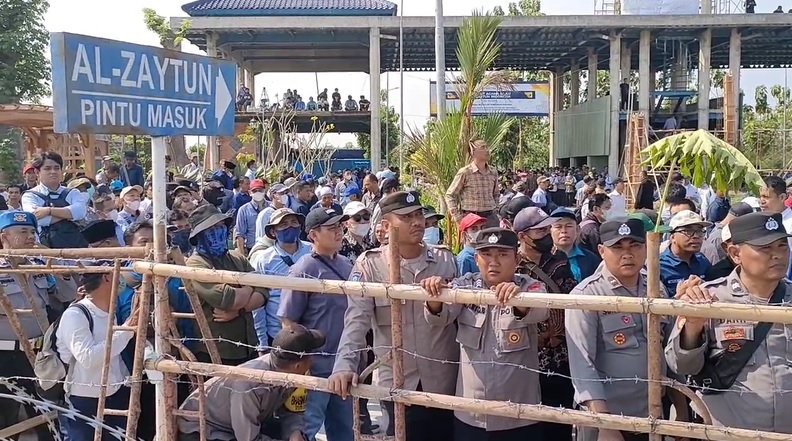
x: 394, y: 277
x: 632, y: 305
x: 136, y: 376
x: 496, y: 408
x: 111, y: 328
x: 22, y: 280
x: 79, y: 253
x: 654, y: 328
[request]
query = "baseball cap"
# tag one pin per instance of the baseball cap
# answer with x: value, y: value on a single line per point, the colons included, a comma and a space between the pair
x: 325, y: 191
x: 257, y: 184
x: 352, y: 190
x: 649, y: 225
x: 541, y: 179
x: 753, y: 202
x: 757, y: 229
x: 532, y: 218
x: 726, y: 234
x: 99, y: 230
x: 354, y: 208
x: 515, y: 205
x: 27, y: 168
x: 741, y: 209
x: 400, y: 202
x: 278, y: 189
x: 496, y: 238
x: 430, y: 212
x: 323, y: 217
x: 16, y: 219
x: 686, y: 218
x: 469, y: 220
x: 388, y: 184
x: 296, y: 342
x: 564, y: 213
x: 126, y: 190
x: 611, y: 232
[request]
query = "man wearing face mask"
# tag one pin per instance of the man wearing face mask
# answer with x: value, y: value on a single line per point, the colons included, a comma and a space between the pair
x: 537, y: 260
x: 228, y: 308
x: 599, y: 207
x: 355, y: 240
x: 278, y: 198
x: 284, y: 229
x: 246, y: 217
x: 433, y: 235
x: 469, y: 228
x: 130, y: 197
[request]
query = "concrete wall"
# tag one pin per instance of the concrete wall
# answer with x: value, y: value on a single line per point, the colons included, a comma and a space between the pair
x: 583, y: 130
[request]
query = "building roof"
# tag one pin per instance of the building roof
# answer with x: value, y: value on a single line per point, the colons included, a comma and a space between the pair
x: 265, y: 8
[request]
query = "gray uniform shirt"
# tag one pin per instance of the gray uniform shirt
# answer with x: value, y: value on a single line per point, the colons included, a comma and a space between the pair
x: 236, y: 409
x: 608, y: 350
x: 758, y: 399
x: 430, y: 354
x: 499, y: 359
x: 711, y: 248
x: 13, y: 290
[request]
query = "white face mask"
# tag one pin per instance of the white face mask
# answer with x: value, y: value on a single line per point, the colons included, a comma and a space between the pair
x: 361, y: 230
x: 472, y: 236
x: 432, y: 236
x: 608, y: 214
x: 133, y: 205
x: 284, y: 199
x: 258, y: 197
x: 113, y: 215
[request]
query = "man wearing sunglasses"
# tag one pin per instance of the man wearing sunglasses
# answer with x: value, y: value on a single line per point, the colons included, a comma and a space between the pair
x: 356, y: 237
x: 683, y: 257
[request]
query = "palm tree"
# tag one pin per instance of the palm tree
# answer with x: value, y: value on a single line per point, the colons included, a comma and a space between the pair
x: 443, y: 147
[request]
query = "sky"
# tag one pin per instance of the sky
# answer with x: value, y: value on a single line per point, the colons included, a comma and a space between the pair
x: 123, y: 20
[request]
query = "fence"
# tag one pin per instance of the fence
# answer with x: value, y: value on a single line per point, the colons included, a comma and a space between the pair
x: 155, y: 274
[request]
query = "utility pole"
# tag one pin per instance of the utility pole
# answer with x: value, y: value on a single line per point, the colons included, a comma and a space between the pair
x: 440, y: 60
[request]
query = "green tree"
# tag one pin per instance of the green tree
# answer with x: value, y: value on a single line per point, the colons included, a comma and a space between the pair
x: 765, y: 137
x: 389, y: 124
x: 24, y: 69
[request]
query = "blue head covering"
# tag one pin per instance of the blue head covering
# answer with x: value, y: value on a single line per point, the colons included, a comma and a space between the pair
x: 16, y: 219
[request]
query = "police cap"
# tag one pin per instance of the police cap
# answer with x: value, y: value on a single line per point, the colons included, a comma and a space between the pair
x: 99, y: 231
x: 400, y: 202
x: 17, y: 219
x: 496, y: 238
x: 758, y: 229
x: 611, y: 232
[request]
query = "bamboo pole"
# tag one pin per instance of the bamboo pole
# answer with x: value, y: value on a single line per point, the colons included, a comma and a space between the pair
x: 143, y: 295
x: 21, y: 427
x: 60, y: 269
x: 22, y: 280
x: 102, y: 400
x: 13, y: 319
x: 621, y: 304
x: 80, y: 253
x: 394, y: 277
x: 504, y: 409
x: 653, y: 329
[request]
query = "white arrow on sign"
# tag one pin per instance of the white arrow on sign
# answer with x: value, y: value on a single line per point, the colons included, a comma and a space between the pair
x: 222, y: 98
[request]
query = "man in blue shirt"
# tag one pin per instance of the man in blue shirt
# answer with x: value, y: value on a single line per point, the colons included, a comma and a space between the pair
x: 284, y: 228
x: 683, y: 257
x: 131, y: 171
x: 245, y: 231
x: 565, y: 231
x: 225, y: 175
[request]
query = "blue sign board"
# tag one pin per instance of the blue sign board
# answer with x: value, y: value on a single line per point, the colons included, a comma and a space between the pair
x: 111, y: 87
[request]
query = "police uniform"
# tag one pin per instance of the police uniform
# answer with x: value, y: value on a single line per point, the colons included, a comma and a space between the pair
x: 608, y: 350
x: 421, y: 371
x: 499, y: 358
x: 14, y: 362
x: 758, y: 398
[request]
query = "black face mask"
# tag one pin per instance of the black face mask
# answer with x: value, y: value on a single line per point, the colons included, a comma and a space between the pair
x: 543, y: 245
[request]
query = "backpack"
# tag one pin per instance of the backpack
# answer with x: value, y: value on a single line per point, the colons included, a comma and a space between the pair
x: 50, y: 370
x: 63, y: 234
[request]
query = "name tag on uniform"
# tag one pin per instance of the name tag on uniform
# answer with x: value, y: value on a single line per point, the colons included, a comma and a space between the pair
x: 734, y: 332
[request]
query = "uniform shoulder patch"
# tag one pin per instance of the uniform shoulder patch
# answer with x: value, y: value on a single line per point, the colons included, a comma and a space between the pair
x: 355, y: 276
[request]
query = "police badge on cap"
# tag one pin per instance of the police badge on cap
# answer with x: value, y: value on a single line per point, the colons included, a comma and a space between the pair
x: 400, y: 202
x: 757, y: 229
x: 612, y: 232
x: 496, y: 238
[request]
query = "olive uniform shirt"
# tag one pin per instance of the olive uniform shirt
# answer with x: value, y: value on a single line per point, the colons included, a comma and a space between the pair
x: 435, y: 364
x: 759, y: 398
x: 499, y: 359
x: 222, y: 296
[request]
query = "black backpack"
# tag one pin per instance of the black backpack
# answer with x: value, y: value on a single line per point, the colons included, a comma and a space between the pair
x: 63, y: 234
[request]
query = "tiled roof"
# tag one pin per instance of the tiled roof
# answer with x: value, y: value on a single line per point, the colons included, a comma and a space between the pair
x: 213, y: 8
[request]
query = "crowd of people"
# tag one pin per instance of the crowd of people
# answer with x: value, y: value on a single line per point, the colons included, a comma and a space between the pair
x: 292, y: 100
x: 559, y: 230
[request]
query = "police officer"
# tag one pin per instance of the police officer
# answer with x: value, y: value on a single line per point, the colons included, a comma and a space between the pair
x: 502, y: 338
x: 18, y: 230
x: 746, y: 367
x: 605, y: 347
x: 432, y: 368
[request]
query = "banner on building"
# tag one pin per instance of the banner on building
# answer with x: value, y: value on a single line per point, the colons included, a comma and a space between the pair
x: 521, y: 99
x: 659, y: 7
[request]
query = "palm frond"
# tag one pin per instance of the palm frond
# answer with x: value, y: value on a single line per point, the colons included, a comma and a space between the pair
x: 706, y: 159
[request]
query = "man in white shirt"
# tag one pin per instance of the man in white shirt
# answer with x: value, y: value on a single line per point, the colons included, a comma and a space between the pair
x: 80, y: 342
x: 670, y: 124
x: 539, y: 197
x: 771, y: 199
x: 56, y: 207
x: 618, y: 201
